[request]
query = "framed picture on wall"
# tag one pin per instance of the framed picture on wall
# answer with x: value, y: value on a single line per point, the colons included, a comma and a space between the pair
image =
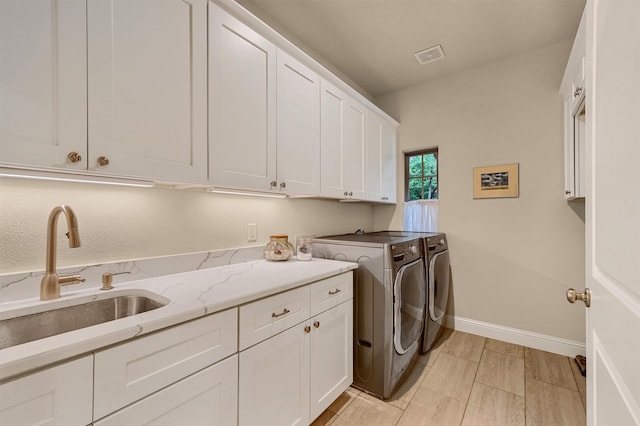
x: 496, y: 181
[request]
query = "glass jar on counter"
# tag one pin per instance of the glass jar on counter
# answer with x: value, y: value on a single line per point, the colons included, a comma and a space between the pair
x: 278, y: 248
x: 305, y: 249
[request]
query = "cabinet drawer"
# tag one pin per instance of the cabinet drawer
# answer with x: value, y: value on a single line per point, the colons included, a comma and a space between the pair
x: 209, y: 397
x: 133, y: 370
x: 331, y: 292
x: 60, y: 395
x: 267, y: 317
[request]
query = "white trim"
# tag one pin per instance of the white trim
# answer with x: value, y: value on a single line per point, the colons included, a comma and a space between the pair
x: 543, y: 342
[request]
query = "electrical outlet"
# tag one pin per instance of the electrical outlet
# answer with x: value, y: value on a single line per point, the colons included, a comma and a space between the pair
x: 252, y: 232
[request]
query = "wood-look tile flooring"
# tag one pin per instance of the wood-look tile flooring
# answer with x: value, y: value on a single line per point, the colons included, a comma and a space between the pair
x: 472, y: 380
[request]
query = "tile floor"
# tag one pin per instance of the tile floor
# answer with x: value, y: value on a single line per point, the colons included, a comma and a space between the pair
x: 472, y: 380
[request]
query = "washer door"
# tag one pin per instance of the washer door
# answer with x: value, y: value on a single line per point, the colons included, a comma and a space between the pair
x: 408, y: 306
x: 438, y: 285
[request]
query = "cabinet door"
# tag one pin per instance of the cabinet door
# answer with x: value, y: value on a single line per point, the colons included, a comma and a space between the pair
x: 209, y: 397
x: 242, y: 93
x: 274, y: 380
x: 298, y: 145
x: 354, y: 149
x: 130, y: 371
x: 43, y: 82
x: 331, y: 356
x: 389, y: 164
x: 148, y: 88
x: 332, y: 103
x: 61, y: 395
x: 374, y: 156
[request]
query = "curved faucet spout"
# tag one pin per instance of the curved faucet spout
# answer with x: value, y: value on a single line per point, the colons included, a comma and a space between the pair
x: 50, y: 285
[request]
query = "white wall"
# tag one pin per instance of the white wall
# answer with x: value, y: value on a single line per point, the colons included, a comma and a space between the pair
x: 512, y: 259
x: 123, y: 223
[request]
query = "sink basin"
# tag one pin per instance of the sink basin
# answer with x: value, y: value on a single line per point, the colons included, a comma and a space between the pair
x: 34, y: 326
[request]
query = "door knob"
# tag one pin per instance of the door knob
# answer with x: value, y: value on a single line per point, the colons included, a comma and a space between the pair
x: 585, y: 296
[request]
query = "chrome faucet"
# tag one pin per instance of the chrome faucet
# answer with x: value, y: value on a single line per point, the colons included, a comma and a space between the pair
x: 51, y: 282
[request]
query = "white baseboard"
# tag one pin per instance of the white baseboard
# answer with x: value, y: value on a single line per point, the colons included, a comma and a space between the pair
x: 543, y: 342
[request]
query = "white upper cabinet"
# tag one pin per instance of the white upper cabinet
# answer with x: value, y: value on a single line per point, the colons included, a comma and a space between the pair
x: 242, y: 94
x: 381, y: 159
x: 148, y: 88
x: 43, y: 83
x: 298, y: 131
x: 343, y: 144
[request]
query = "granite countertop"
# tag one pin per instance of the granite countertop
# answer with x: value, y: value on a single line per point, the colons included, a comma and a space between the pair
x: 190, y: 295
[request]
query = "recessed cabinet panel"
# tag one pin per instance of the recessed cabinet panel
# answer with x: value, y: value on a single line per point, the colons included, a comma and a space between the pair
x: 389, y: 165
x: 274, y: 380
x: 332, y: 134
x: 148, y: 88
x: 242, y: 92
x: 298, y: 127
x: 43, y: 83
x: 354, y: 149
x: 209, y: 397
x: 60, y: 395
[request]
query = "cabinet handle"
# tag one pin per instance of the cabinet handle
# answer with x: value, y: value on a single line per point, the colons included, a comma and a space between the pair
x: 350, y: 194
x: 74, y: 157
x: 307, y: 329
x: 331, y: 293
x: 316, y: 324
x: 283, y: 185
x: 285, y: 311
x: 273, y: 183
x: 567, y: 192
x: 103, y: 161
x: 385, y: 198
x: 578, y: 92
x: 346, y: 193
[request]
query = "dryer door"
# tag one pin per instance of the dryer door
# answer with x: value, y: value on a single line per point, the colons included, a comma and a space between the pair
x: 438, y: 285
x: 408, y: 305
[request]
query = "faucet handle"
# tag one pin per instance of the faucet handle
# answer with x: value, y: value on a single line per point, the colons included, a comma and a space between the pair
x: 70, y: 279
x: 107, y: 279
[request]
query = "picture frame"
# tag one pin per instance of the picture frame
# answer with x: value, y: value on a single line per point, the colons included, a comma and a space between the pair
x: 500, y: 181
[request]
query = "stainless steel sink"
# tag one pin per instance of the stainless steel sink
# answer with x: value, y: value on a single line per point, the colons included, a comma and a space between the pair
x: 34, y: 326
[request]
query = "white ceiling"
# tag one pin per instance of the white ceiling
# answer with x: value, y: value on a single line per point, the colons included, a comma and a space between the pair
x: 373, y: 41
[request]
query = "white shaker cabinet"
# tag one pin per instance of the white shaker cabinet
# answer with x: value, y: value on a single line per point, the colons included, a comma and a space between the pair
x: 60, y: 395
x: 147, y: 104
x: 298, y: 130
x: 242, y: 115
x: 209, y: 397
x: 573, y: 92
x: 381, y: 159
x: 43, y: 83
x: 343, y: 144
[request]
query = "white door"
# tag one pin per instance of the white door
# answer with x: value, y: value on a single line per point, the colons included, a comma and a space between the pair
x: 43, y: 83
x: 331, y: 356
x: 242, y: 95
x: 148, y: 88
x: 274, y: 380
x: 298, y: 147
x: 613, y: 212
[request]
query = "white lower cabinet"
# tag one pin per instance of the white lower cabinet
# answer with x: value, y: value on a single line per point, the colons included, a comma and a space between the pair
x: 292, y: 377
x: 208, y: 397
x: 60, y: 395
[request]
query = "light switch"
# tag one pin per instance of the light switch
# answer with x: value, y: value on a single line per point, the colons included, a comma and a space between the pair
x: 252, y: 233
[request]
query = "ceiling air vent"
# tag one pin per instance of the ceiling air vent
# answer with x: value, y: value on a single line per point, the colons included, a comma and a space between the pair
x: 429, y: 55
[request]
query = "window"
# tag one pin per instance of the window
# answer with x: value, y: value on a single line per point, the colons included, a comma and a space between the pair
x: 421, y: 175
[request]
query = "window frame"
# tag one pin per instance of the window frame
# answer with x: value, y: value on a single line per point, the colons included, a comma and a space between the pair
x: 407, y: 177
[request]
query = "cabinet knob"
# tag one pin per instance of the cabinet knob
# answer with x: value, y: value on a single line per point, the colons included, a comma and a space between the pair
x: 283, y: 185
x: 346, y: 193
x: 307, y: 329
x: 273, y: 183
x: 74, y: 157
x: 385, y: 198
x: 316, y: 324
x: 350, y: 194
x: 578, y: 92
x: 585, y: 296
x: 103, y: 161
x: 567, y: 192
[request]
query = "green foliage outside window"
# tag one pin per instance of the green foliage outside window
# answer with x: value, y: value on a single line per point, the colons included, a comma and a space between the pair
x: 422, y: 175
